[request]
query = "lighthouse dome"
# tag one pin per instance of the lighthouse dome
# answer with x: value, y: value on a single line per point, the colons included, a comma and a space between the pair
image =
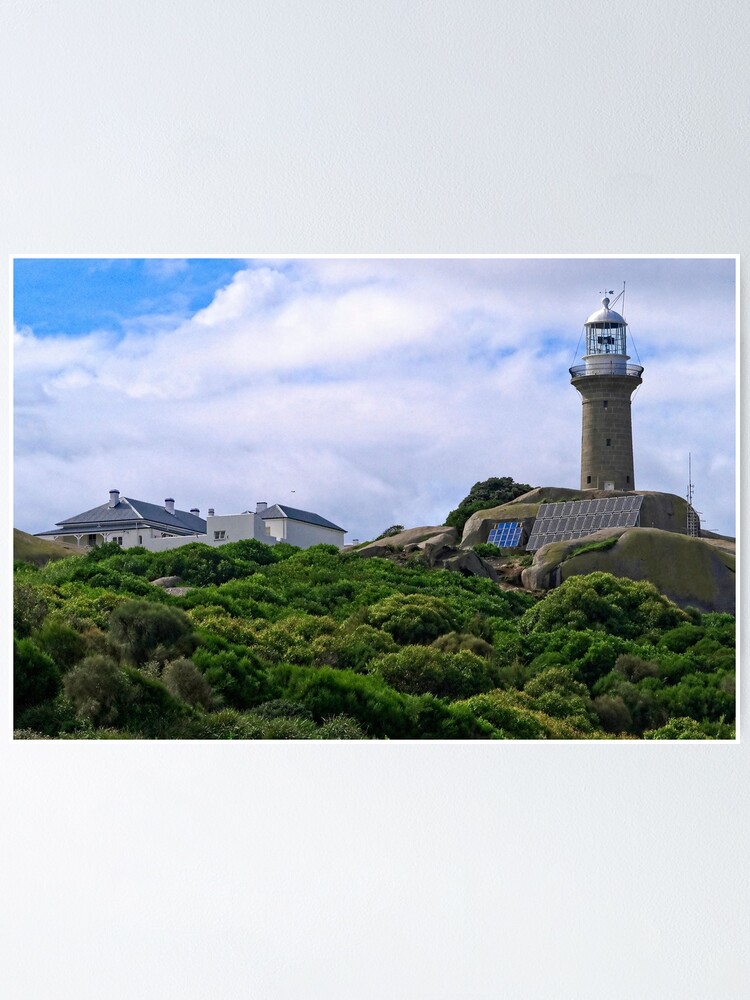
x: 605, y: 316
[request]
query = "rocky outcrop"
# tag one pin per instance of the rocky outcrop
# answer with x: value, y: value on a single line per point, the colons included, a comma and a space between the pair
x: 464, y: 561
x: 692, y: 572
x: 173, y: 585
x: 411, y: 536
x: 168, y: 581
x: 477, y: 528
x: 436, y: 545
x: 658, y: 510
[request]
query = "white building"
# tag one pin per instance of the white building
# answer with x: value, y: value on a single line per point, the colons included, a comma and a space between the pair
x: 133, y: 523
x: 298, y: 527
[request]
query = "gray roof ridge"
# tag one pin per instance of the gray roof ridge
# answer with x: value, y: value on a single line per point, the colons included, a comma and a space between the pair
x: 309, y: 516
x: 132, y: 506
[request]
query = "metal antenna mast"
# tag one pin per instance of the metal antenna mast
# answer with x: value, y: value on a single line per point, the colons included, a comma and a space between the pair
x: 693, y: 522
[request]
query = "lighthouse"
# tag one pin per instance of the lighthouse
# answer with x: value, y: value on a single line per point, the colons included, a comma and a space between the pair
x: 606, y: 383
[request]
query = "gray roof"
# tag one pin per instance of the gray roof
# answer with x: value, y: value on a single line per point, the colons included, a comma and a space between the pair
x: 281, y: 510
x: 128, y: 512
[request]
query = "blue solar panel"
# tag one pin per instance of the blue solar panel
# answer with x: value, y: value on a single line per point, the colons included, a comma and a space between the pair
x: 566, y: 520
x: 506, y: 535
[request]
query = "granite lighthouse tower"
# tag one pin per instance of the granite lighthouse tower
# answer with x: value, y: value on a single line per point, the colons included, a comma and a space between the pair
x: 606, y: 383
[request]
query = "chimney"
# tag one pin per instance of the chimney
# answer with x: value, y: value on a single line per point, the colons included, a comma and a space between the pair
x: 260, y: 506
x: 169, y: 504
x: 210, y: 512
x: 195, y: 510
x: 114, y: 498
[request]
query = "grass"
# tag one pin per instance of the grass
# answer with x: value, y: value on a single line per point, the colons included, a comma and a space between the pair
x: 39, y: 551
x: 599, y: 546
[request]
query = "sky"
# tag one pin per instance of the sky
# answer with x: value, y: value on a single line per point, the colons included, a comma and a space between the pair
x: 373, y: 391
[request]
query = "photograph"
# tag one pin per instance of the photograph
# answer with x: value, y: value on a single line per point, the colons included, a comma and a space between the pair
x: 416, y: 498
x: 375, y: 484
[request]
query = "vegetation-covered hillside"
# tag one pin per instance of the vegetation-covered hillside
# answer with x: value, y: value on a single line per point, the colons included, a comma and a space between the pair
x: 274, y: 642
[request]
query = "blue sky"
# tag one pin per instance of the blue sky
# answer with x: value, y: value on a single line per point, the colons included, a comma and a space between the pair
x: 75, y: 296
x: 373, y: 390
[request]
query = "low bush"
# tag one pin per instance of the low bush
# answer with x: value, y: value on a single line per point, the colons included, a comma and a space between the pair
x: 426, y: 670
x: 36, y: 677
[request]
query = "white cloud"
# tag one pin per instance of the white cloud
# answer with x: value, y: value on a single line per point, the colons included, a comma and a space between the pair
x: 378, y: 391
x: 165, y: 268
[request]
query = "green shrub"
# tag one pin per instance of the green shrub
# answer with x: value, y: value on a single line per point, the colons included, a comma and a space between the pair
x: 413, y: 618
x: 86, y: 608
x: 341, y: 727
x: 215, y: 620
x: 489, y: 551
x: 65, y: 645
x: 634, y: 668
x: 327, y: 692
x: 144, y: 631
x: 351, y: 648
x: 281, y: 708
x: 51, y: 718
x: 36, y: 677
x: 484, y: 495
x: 30, y: 606
x: 97, y: 689
x: 702, y: 696
x: 426, y: 670
x: 290, y: 639
x: 238, y: 679
x: 148, y: 709
x: 455, y: 642
x: 677, y: 729
x: 613, y: 713
x: 646, y: 704
x: 558, y: 694
x: 510, y: 719
x: 681, y: 638
x: 600, y: 601
x: 184, y: 680
x: 225, y: 724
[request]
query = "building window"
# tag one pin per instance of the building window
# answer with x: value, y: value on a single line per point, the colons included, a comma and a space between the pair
x: 219, y: 536
x: 92, y: 540
x: 609, y: 442
x: 140, y: 539
x: 588, y: 479
x: 606, y: 403
x: 117, y: 539
x: 627, y: 479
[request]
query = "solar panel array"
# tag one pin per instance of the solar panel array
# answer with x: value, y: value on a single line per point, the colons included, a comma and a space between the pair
x: 561, y: 522
x: 507, y: 534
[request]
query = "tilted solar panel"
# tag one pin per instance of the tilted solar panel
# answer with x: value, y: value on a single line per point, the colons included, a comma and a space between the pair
x: 570, y: 519
x: 506, y: 534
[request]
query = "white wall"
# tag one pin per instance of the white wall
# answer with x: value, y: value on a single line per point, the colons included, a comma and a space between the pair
x: 236, y: 527
x: 302, y: 533
x: 174, y: 542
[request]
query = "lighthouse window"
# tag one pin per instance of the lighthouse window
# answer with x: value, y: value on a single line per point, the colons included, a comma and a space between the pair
x: 606, y: 403
x: 609, y: 442
x: 588, y: 479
